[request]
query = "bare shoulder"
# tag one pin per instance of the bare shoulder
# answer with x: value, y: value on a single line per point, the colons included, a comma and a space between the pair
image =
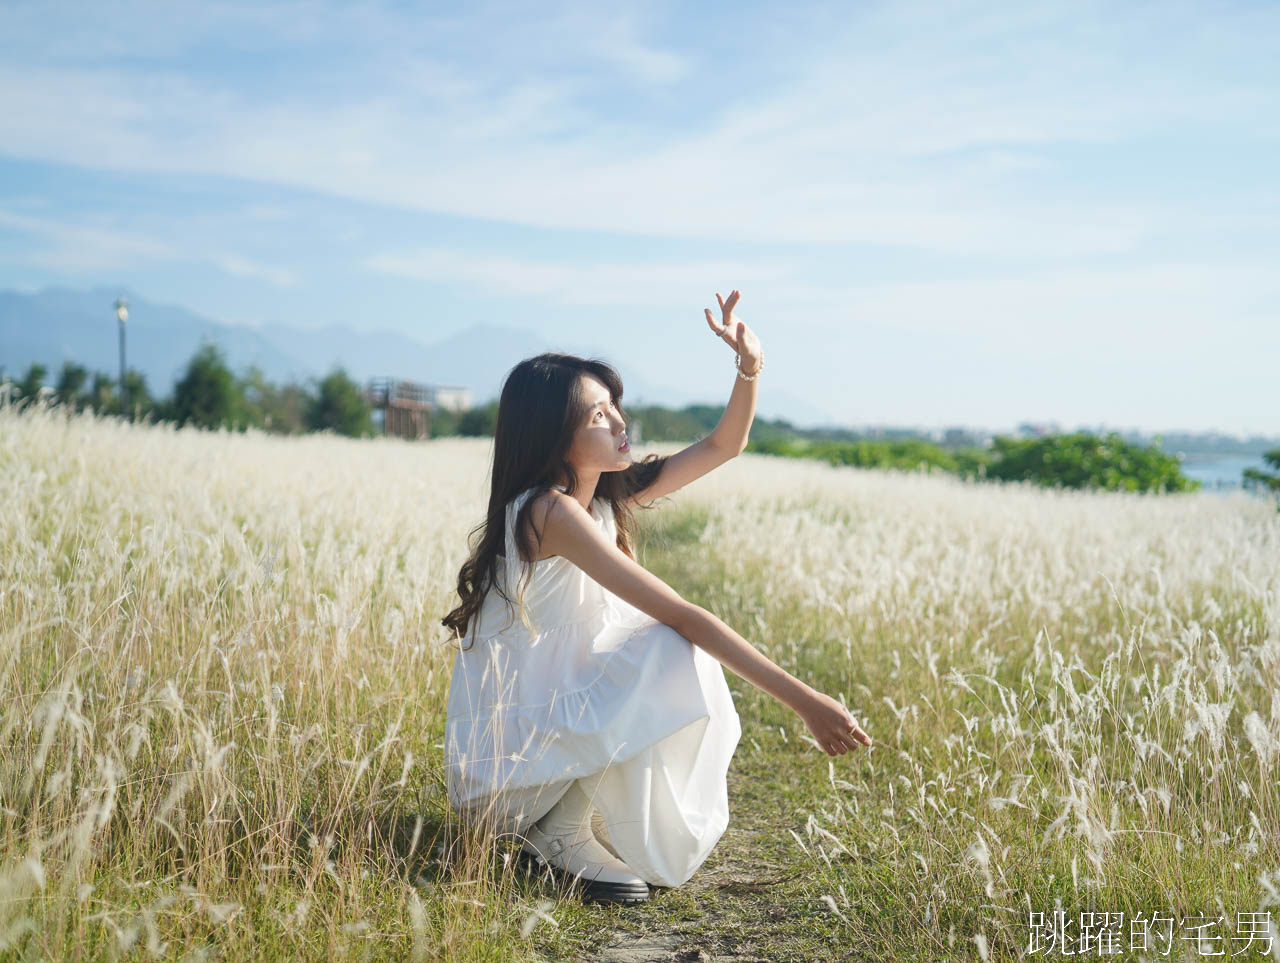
x: 552, y: 507
x: 555, y: 517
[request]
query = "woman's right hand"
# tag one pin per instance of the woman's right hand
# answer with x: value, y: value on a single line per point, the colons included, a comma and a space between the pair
x: 832, y: 725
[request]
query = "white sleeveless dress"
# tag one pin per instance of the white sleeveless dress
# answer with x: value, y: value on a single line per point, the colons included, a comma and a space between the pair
x: 591, y: 687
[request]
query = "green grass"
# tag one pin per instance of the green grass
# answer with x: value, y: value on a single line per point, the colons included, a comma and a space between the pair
x: 208, y: 756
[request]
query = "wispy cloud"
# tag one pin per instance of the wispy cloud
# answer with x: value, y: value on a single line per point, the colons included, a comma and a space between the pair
x: 77, y: 248
x: 1132, y: 309
x: 83, y: 247
x: 1152, y: 309
x: 243, y: 267
x: 592, y: 285
x: 916, y: 126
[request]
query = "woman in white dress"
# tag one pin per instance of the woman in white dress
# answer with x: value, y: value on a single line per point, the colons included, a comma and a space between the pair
x: 588, y: 711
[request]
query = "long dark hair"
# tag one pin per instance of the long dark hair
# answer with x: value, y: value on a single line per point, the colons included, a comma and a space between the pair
x: 540, y: 408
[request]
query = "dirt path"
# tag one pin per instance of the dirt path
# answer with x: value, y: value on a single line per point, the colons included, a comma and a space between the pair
x: 732, y: 907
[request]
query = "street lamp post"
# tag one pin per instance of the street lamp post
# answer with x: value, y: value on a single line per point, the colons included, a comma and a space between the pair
x: 122, y: 314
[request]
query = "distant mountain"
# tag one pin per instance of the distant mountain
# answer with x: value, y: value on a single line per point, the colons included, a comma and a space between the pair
x: 477, y: 357
x: 57, y: 325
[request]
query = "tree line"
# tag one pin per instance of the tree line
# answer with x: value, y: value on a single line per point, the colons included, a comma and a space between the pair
x: 1076, y: 460
x: 1255, y: 479
x: 1069, y: 460
x: 210, y: 395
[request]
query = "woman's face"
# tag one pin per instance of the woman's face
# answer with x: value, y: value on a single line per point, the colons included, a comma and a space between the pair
x: 600, y: 441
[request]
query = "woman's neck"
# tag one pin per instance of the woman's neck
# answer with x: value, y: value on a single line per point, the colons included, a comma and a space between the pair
x: 587, y: 482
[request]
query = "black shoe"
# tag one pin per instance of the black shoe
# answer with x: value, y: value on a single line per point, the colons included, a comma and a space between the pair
x: 595, y: 890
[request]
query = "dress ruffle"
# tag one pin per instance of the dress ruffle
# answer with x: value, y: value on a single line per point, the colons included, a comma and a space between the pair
x: 520, y: 737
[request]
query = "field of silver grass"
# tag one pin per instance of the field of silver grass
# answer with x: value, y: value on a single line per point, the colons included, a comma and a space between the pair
x: 225, y: 680
x: 1076, y: 698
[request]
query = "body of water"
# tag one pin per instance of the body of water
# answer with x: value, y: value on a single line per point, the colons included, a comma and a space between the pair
x: 1220, y: 471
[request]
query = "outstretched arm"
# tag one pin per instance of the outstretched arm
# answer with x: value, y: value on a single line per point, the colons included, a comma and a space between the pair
x: 568, y: 530
x: 729, y: 437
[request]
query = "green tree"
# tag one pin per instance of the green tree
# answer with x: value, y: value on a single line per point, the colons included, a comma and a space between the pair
x: 902, y: 454
x: 444, y: 421
x: 479, y: 421
x: 103, y: 396
x: 70, y: 388
x: 208, y: 395
x: 31, y: 383
x: 277, y: 409
x: 1083, y: 460
x: 138, y: 394
x: 663, y: 424
x: 255, y: 395
x: 288, y: 413
x: 339, y: 406
x: 1257, y: 479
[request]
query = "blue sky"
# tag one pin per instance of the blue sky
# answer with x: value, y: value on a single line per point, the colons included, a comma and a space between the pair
x: 937, y: 213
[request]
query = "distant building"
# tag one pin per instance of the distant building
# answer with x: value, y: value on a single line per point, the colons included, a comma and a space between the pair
x: 403, y: 408
x: 451, y: 397
x: 1032, y: 429
x: 966, y: 438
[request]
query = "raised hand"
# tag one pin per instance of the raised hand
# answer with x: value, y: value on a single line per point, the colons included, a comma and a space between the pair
x: 735, y: 333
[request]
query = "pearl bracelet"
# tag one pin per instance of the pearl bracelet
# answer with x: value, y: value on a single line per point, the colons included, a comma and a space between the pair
x: 737, y: 361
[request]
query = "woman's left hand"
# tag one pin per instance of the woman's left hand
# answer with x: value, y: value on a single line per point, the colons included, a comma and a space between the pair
x: 735, y: 333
